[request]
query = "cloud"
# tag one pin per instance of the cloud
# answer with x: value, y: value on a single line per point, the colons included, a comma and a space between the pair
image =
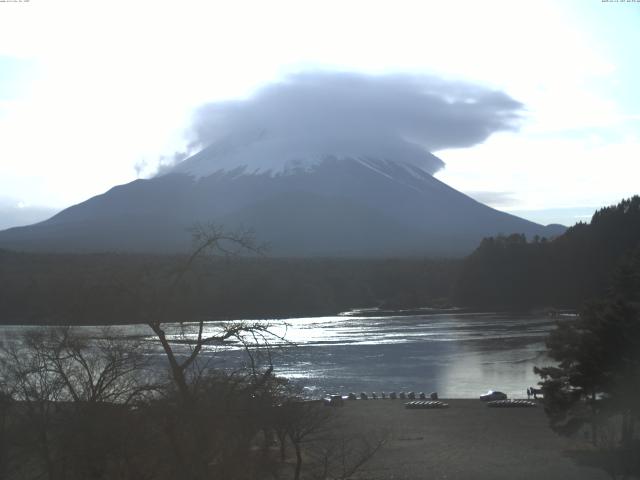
x: 14, y: 213
x: 402, y: 116
x: 494, y: 199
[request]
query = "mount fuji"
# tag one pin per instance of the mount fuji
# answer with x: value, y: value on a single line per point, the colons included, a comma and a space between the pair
x: 298, y: 198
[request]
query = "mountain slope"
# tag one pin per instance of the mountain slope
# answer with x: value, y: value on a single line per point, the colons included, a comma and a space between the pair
x: 334, y: 206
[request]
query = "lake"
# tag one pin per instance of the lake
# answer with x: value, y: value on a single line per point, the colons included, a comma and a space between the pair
x: 459, y: 355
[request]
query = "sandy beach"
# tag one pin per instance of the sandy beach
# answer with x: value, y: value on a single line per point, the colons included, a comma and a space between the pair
x: 468, y: 440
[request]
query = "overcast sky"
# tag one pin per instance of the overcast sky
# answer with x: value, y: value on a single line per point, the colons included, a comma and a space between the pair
x: 93, y: 94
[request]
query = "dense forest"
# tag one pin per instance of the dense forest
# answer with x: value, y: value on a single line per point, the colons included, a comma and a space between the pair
x: 510, y: 272
x: 116, y: 288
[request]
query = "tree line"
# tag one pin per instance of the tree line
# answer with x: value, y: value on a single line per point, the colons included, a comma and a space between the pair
x: 96, y: 288
x: 512, y: 272
x: 593, y: 385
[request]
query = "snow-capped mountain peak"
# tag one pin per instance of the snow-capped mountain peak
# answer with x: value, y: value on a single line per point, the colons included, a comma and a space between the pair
x: 262, y: 153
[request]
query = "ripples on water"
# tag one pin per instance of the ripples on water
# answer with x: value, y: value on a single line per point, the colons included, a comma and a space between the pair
x: 458, y: 354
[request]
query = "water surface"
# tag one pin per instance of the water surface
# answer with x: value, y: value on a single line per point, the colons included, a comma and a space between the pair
x: 459, y: 355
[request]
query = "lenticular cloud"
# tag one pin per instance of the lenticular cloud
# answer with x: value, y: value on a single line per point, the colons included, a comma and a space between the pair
x: 395, y: 117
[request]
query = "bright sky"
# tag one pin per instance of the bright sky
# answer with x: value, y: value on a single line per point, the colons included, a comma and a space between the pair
x: 92, y: 90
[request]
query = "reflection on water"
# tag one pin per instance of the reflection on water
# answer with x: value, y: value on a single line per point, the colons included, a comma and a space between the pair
x: 459, y: 355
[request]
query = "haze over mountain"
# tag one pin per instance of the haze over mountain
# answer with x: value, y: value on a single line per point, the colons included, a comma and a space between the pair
x: 321, y: 164
x: 15, y: 213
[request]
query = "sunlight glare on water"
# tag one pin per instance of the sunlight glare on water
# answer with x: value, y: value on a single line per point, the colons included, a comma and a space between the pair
x: 459, y: 355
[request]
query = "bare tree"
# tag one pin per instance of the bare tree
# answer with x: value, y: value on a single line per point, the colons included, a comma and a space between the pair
x: 72, y: 395
x: 105, y: 369
x: 299, y: 421
x: 25, y: 372
x: 340, y: 455
x: 6, y: 402
x: 323, y: 447
x: 94, y: 410
x: 166, y: 306
x: 167, y: 299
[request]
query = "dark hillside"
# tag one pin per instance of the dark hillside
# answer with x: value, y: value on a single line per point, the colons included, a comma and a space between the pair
x: 510, y: 272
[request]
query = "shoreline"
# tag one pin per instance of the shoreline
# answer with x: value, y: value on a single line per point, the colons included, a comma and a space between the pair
x: 346, y: 314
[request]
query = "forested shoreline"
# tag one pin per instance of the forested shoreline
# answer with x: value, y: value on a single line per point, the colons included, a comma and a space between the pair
x: 110, y: 288
x: 509, y: 272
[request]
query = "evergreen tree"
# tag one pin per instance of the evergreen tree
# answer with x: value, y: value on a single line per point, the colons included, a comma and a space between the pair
x: 596, y: 381
x: 509, y: 272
